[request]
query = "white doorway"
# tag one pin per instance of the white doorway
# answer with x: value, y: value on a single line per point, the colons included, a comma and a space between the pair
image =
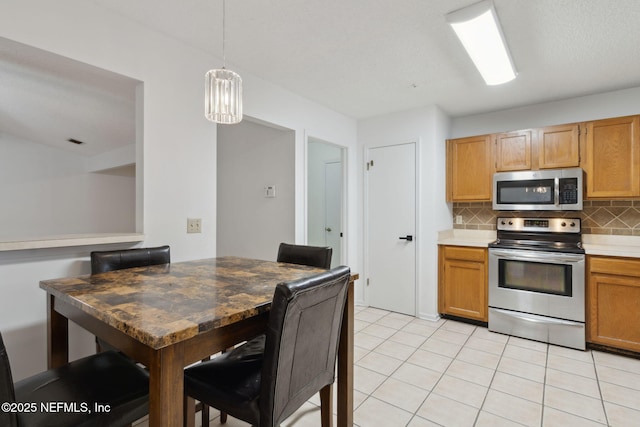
x: 325, y: 200
x: 391, y: 227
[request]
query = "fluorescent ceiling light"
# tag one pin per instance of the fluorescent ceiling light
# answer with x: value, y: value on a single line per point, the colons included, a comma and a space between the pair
x: 478, y: 29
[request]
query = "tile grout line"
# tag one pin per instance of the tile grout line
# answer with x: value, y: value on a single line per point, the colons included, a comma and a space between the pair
x: 604, y: 408
x: 495, y: 371
x: 550, y: 357
x: 415, y: 414
x: 544, y: 386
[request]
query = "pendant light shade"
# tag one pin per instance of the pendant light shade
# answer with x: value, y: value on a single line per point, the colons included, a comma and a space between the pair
x: 223, y: 96
x: 223, y: 90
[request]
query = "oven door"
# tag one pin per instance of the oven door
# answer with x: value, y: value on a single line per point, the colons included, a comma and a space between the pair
x: 537, y: 282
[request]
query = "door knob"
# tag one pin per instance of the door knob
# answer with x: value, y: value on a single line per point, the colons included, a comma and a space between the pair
x: 408, y: 238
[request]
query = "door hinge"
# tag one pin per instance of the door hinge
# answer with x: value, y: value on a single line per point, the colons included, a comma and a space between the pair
x: 367, y: 281
x: 369, y: 164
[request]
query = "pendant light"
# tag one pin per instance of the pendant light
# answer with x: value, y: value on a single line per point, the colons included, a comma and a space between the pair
x: 223, y: 90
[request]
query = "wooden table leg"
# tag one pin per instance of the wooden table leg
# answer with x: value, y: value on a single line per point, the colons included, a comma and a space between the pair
x: 166, y: 387
x: 345, y: 363
x: 57, y: 336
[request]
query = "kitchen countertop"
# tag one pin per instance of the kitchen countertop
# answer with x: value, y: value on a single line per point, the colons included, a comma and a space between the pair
x: 594, y: 244
x: 621, y: 246
x: 459, y: 237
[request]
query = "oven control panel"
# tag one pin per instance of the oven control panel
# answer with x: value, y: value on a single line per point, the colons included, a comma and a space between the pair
x: 544, y: 225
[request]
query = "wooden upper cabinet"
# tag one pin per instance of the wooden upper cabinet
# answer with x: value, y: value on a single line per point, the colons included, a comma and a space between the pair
x: 513, y: 151
x: 558, y: 146
x: 613, y: 157
x: 469, y: 169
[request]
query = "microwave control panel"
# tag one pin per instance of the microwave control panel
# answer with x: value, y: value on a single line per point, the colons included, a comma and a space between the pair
x: 568, y: 191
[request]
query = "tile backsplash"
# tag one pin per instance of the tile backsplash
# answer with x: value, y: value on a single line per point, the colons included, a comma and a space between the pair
x: 616, y: 217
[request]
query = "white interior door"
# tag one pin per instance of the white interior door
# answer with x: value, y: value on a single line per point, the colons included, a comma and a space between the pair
x: 333, y: 210
x: 391, y: 227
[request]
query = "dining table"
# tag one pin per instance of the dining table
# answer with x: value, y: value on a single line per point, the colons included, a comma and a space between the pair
x: 170, y: 316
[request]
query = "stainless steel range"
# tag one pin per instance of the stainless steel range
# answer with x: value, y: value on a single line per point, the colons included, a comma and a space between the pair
x: 537, y: 280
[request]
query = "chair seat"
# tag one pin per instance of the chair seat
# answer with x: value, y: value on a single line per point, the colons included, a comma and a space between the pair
x: 231, y: 379
x: 107, y: 379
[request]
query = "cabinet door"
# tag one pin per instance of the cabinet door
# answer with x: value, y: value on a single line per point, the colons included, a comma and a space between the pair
x: 469, y: 169
x: 558, y: 147
x: 463, y: 283
x: 614, y: 302
x: 513, y: 151
x: 613, y: 158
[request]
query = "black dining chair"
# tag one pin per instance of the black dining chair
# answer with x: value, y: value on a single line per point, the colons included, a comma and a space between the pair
x: 104, y: 261
x: 104, y: 389
x: 314, y: 256
x: 268, y: 378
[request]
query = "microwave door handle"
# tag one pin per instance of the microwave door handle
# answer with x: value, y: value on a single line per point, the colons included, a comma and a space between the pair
x: 556, y: 191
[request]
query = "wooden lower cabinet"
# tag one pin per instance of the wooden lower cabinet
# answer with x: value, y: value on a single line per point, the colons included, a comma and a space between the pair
x: 462, y: 282
x: 613, y: 302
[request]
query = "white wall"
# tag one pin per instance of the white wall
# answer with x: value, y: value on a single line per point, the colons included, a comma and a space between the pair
x: 178, y: 156
x: 593, y: 107
x: 429, y: 127
x: 47, y: 192
x: 251, y: 157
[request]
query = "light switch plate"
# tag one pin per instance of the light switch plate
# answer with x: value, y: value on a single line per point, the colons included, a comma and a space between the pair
x: 270, y: 191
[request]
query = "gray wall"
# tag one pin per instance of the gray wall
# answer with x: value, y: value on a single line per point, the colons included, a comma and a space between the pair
x: 252, y: 156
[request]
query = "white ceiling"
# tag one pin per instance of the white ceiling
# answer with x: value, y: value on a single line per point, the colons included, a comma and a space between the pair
x: 370, y: 57
x: 362, y: 58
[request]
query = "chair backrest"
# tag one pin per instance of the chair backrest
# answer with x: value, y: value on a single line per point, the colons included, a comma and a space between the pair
x: 314, y: 256
x: 7, y: 392
x: 301, y: 342
x: 102, y: 261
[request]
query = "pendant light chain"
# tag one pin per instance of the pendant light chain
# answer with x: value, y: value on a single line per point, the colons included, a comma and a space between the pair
x: 224, y: 13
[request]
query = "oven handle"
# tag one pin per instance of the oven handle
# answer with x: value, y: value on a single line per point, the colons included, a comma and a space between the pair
x: 533, y: 256
x: 536, y: 319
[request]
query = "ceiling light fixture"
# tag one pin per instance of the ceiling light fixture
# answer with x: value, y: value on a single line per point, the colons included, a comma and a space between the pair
x: 223, y: 90
x: 478, y: 29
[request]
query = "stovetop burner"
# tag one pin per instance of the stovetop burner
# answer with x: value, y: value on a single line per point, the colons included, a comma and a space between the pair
x: 539, y: 234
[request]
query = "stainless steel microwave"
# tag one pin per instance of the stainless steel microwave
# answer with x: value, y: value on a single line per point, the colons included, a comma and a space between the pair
x: 541, y: 190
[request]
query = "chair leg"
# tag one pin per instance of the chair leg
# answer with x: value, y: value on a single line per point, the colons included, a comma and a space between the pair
x: 205, y: 415
x: 326, y: 405
x: 223, y: 415
x: 204, y: 412
x: 189, y: 412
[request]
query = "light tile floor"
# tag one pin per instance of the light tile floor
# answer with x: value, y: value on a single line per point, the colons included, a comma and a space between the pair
x: 417, y: 373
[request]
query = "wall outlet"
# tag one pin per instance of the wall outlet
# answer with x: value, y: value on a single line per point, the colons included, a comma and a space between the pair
x: 458, y: 219
x: 194, y: 225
